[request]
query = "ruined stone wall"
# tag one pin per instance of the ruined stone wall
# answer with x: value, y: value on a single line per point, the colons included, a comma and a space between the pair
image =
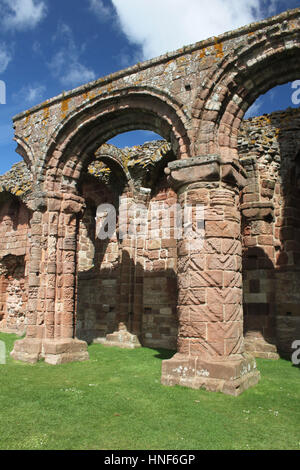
x: 15, y: 216
x: 98, y: 268
x: 14, y: 254
x: 195, y: 98
x: 129, y: 280
x: 135, y: 281
x: 269, y: 149
x: 160, y: 271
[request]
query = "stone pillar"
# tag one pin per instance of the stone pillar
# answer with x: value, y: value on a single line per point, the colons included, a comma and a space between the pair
x: 259, y: 277
x: 259, y: 280
x: 210, y: 337
x: 52, y: 283
x: 127, y: 316
x: 29, y: 349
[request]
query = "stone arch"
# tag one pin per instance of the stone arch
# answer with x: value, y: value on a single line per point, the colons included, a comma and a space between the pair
x: 113, y: 158
x: 24, y: 150
x: 109, y: 153
x: 239, y: 80
x: 76, y: 139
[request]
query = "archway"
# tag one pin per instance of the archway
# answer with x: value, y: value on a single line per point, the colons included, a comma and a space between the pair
x: 128, y: 279
x: 242, y: 77
x: 62, y: 206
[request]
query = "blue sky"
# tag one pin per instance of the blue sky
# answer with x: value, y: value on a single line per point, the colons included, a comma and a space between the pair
x: 47, y: 46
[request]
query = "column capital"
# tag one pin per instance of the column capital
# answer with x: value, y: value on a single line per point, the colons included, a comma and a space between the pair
x: 205, y: 168
x: 257, y: 210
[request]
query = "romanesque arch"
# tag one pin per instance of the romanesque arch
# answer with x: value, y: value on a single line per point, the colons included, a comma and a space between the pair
x: 24, y: 150
x: 72, y: 147
x: 88, y: 128
x: 242, y: 77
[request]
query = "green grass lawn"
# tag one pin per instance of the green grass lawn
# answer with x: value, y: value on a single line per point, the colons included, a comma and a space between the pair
x: 115, y: 401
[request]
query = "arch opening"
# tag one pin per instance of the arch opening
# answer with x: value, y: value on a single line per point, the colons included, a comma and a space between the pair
x: 123, y: 279
x: 268, y: 148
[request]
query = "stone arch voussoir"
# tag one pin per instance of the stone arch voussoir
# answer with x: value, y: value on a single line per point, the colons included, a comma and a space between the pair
x: 238, y: 81
x: 77, y: 138
x: 24, y: 150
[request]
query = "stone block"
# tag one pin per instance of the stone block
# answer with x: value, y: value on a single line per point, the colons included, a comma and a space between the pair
x: 229, y: 376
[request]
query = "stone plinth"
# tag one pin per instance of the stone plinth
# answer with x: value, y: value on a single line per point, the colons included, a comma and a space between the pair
x: 231, y: 376
x: 256, y: 345
x: 121, y: 338
x: 54, y: 352
x: 27, y: 350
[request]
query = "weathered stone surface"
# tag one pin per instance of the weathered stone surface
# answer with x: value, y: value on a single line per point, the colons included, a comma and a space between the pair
x: 164, y: 286
x: 231, y: 377
x: 121, y: 338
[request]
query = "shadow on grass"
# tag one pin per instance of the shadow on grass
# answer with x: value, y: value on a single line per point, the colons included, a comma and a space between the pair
x: 289, y: 360
x: 163, y: 353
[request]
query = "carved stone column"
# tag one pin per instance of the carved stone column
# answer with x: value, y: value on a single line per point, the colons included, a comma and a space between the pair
x: 52, y: 283
x: 210, y: 337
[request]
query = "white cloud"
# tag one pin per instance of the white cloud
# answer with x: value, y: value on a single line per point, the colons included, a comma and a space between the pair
x: 22, y: 14
x: 78, y: 74
x: 159, y: 26
x: 30, y: 94
x: 103, y: 12
x: 5, y: 57
x: 65, y: 64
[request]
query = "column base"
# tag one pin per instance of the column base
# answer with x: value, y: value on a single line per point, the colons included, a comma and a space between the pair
x: 53, y: 351
x: 27, y: 350
x: 121, y: 339
x: 230, y: 376
x: 259, y: 347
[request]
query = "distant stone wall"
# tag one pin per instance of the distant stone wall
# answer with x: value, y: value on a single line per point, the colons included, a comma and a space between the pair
x: 98, y: 270
x: 14, y: 255
x: 129, y: 280
x: 269, y: 147
x: 159, y: 325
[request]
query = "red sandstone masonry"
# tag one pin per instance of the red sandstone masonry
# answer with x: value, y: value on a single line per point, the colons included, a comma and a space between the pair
x: 201, y: 121
x: 14, y: 253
